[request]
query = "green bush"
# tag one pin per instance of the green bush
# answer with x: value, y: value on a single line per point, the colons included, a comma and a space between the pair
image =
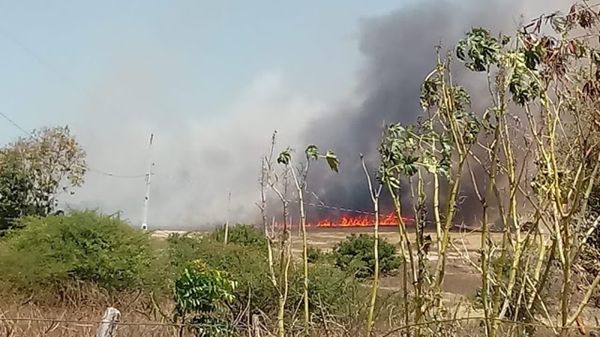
x: 81, y: 246
x: 314, y: 254
x: 355, y: 255
x: 245, y: 235
x: 248, y: 267
x: 330, y: 290
x: 182, y: 249
x: 201, y: 295
x: 317, y: 255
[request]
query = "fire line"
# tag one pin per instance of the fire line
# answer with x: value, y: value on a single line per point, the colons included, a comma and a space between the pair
x: 349, y: 221
x: 360, y: 221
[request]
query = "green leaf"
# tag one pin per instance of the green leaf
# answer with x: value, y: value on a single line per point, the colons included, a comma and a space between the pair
x: 285, y: 157
x: 312, y: 152
x: 430, y: 93
x: 332, y: 161
x: 478, y: 50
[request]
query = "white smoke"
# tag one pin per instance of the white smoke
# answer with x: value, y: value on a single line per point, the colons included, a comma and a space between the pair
x: 197, y: 160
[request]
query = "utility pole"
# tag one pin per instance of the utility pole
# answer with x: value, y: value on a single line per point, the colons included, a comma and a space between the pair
x: 227, y: 218
x: 148, y: 178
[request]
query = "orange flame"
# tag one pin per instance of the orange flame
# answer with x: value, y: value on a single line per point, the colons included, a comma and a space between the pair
x: 361, y: 221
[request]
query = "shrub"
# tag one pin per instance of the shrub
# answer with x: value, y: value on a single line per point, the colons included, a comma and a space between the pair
x: 201, y: 295
x: 81, y: 246
x: 314, y: 254
x: 245, y: 235
x: 182, y: 249
x: 248, y: 267
x: 590, y: 252
x: 594, y: 201
x: 324, y: 285
x: 355, y: 255
x: 587, y: 259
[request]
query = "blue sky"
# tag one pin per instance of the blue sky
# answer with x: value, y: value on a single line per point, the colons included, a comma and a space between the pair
x: 56, y: 52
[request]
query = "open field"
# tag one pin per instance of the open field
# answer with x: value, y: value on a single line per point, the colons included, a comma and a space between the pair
x: 460, y: 277
x: 460, y: 280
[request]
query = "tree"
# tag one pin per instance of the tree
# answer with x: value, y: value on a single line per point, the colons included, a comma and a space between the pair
x: 269, y: 179
x: 34, y: 169
x: 15, y: 192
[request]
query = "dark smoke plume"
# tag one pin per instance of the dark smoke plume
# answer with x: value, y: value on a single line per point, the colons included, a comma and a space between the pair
x: 399, y: 49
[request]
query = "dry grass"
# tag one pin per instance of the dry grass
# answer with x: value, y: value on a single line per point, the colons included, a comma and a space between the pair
x: 69, y: 320
x: 136, y: 324
x: 78, y: 309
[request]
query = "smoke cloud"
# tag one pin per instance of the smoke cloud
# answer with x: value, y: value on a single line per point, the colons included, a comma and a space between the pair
x: 197, y: 163
x: 399, y: 49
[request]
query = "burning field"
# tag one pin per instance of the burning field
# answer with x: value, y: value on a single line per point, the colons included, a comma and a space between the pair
x: 360, y: 221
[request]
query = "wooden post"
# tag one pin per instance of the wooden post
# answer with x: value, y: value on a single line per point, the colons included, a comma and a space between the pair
x: 110, y: 321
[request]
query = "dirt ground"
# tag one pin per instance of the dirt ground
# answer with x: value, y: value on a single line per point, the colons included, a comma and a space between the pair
x: 460, y: 278
x: 461, y: 281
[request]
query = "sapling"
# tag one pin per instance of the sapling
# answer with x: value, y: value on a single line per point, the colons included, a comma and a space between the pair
x: 300, y: 176
x: 374, y: 193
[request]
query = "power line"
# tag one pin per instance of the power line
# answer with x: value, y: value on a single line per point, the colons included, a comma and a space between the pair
x: 67, y: 81
x: 15, y: 124
x: 115, y: 175
x: 335, y: 208
x: 91, y: 169
x: 59, y: 73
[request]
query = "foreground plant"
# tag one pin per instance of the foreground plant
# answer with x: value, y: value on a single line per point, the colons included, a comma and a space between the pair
x: 200, y: 296
x: 531, y: 158
x: 270, y: 180
x: 374, y: 194
x: 300, y: 177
